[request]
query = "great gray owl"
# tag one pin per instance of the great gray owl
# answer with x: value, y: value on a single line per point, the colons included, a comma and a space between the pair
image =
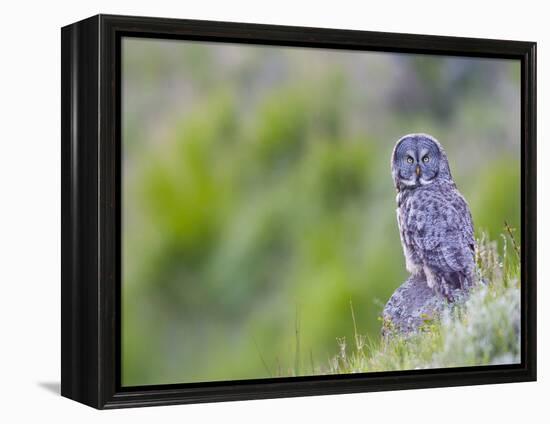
x: 434, y: 219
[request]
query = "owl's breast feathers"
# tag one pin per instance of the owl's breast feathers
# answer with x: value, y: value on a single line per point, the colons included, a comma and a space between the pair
x: 437, y: 233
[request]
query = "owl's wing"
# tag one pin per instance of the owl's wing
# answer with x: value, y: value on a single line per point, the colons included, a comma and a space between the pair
x: 444, y: 232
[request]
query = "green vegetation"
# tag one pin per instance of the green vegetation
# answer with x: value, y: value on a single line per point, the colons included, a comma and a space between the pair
x: 257, y: 197
x: 484, y: 330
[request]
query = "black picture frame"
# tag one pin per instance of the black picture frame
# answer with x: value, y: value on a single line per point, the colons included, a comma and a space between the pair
x: 91, y: 199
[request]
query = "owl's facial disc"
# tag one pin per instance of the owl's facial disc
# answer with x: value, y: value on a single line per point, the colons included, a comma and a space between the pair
x: 416, y: 162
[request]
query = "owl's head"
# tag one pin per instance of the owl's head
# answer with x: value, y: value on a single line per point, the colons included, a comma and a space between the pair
x: 418, y: 160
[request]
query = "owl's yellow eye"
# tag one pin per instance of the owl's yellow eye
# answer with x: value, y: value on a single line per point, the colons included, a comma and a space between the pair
x: 426, y: 159
x: 409, y: 159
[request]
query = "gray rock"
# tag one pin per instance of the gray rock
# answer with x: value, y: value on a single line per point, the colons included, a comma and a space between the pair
x: 412, y: 305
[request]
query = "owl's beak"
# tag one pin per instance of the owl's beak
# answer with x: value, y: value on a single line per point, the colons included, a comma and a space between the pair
x: 417, y: 170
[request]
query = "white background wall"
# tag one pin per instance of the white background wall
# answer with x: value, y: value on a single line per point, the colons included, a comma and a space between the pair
x: 30, y: 211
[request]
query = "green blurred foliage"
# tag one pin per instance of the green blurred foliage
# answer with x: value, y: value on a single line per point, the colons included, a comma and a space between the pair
x: 257, y: 198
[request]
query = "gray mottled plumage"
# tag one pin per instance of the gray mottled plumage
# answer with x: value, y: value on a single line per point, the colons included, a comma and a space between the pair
x: 434, y: 219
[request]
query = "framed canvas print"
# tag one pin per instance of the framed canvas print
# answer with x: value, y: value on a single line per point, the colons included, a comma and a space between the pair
x: 254, y: 211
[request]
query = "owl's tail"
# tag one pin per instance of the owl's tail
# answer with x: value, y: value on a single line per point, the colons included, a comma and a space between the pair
x: 455, y: 285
